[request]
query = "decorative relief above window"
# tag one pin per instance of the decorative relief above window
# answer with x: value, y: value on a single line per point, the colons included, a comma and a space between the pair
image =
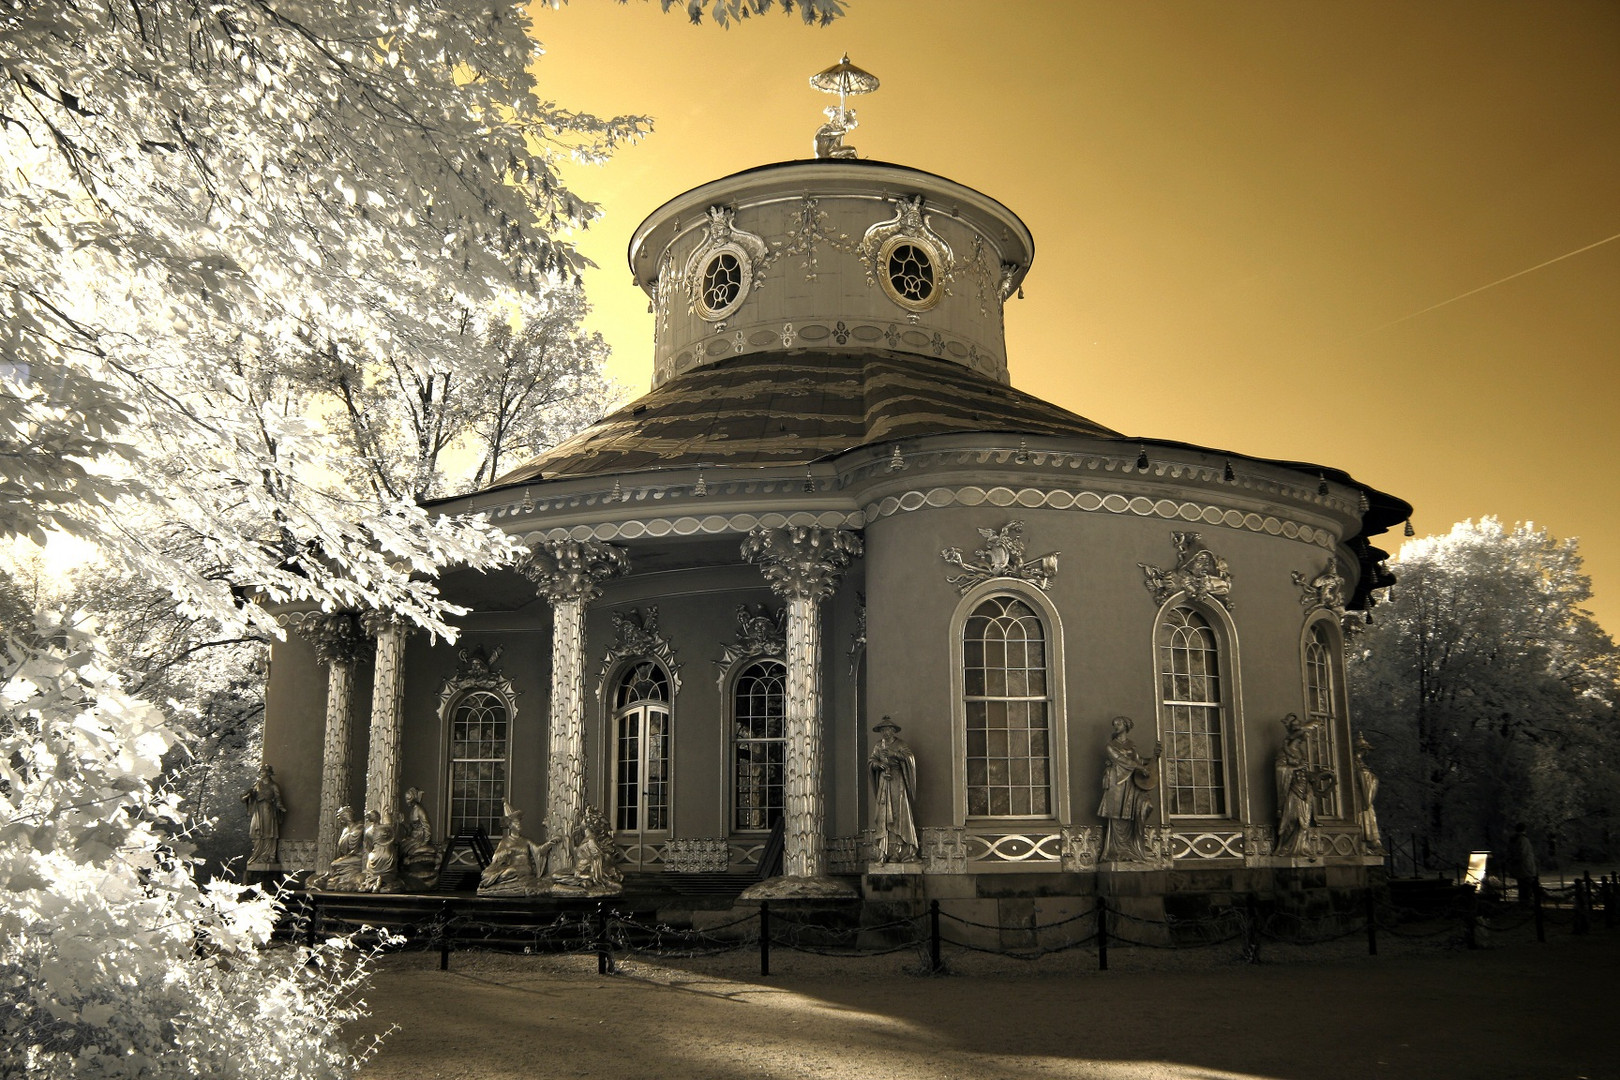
x: 1325, y: 590
x: 909, y: 260
x: 1001, y: 557
x: 1199, y: 572
x: 760, y: 632
x: 636, y: 635
x: 723, y: 267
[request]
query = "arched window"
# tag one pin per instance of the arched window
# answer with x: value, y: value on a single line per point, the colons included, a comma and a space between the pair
x: 1321, y: 704
x: 1008, y: 710
x: 759, y: 745
x: 1193, y: 715
x: 478, y: 761
x: 641, y: 757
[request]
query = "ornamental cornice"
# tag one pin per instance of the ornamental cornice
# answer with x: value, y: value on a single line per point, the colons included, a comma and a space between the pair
x: 1093, y: 501
x: 570, y: 569
x: 802, y: 562
x: 691, y: 525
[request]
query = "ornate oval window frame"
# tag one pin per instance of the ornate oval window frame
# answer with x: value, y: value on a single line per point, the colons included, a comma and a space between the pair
x: 936, y: 269
x: 745, y: 280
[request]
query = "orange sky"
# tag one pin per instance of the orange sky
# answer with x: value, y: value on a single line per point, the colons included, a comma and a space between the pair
x: 1238, y: 210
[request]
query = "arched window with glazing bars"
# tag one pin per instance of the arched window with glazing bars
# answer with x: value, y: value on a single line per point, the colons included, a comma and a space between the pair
x: 759, y: 745
x: 641, y: 722
x: 1008, y: 710
x: 1192, y: 715
x: 479, y: 754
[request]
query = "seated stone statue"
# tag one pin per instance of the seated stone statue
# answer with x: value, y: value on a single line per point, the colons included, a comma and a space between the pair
x: 511, y: 871
x: 348, y: 864
x: 381, y: 873
x: 593, y: 872
x: 418, y: 857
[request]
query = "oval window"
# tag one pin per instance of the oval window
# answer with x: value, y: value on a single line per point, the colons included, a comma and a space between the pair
x: 724, y: 280
x: 910, y: 273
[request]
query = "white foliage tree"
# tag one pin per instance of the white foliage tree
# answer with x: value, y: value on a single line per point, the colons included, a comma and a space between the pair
x: 191, y: 194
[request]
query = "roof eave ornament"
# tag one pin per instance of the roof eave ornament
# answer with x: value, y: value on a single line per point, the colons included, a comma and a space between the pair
x: 843, y: 79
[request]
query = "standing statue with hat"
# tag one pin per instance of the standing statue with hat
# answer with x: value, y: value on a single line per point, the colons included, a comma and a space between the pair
x: 1128, y: 782
x: 894, y: 795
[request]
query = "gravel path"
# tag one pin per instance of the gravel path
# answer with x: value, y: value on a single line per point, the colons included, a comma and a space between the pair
x: 1424, y: 1008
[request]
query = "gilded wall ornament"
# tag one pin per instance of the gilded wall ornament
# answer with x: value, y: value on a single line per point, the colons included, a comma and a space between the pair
x: 636, y: 635
x: 760, y: 632
x: 1001, y: 557
x: 1325, y: 590
x: 810, y: 230
x: 476, y: 670
x: 723, y: 267
x: 909, y: 260
x: 1199, y: 572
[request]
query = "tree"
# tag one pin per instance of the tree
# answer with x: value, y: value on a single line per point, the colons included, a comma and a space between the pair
x: 194, y: 198
x: 1491, y: 693
x: 536, y: 380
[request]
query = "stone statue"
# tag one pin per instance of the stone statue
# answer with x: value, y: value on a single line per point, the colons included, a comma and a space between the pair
x: 593, y: 872
x: 829, y: 142
x: 1368, y: 782
x: 265, y: 811
x: 1299, y: 785
x: 511, y: 869
x: 894, y: 795
x: 1128, y: 782
x: 381, y: 873
x: 348, y: 864
x: 418, y: 857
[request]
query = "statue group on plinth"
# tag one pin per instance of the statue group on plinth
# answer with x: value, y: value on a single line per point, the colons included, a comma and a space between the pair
x: 384, y: 853
x: 564, y: 862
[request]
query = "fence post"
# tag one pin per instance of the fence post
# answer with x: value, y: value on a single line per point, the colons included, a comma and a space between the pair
x: 934, y: 965
x: 1470, y: 922
x: 1608, y: 900
x: 1251, y: 943
x: 1583, y: 905
x: 1535, y: 900
x: 1102, y: 934
x: 444, y: 936
x: 604, y: 959
x: 1372, y: 924
x: 764, y: 937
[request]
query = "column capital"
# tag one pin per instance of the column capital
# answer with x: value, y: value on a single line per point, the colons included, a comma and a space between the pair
x: 802, y: 562
x: 573, y: 569
x: 376, y: 623
x: 338, y: 637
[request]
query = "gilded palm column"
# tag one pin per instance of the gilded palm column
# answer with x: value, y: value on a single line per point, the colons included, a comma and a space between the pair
x: 803, y: 565
x: 339, y: 642
x: 387, y: 710
x: 569, y: 573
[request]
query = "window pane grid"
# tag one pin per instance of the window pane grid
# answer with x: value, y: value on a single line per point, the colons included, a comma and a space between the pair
x: 1320, y: 713
x: 1007, y: 710
x: 1190, y: 691
x: 759, y: 746
x: 478, y: 734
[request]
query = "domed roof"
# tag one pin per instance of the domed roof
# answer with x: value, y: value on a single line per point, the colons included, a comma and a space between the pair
x: 796, y: 406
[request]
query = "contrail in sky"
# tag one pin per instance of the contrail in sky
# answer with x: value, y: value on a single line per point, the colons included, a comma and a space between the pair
x: 1494, y: 284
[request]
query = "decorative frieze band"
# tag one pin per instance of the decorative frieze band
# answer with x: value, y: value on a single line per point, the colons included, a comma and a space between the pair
x: 1091, y: 501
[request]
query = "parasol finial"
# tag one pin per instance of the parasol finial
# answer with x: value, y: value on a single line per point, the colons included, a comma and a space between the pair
x: 843, y: 79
